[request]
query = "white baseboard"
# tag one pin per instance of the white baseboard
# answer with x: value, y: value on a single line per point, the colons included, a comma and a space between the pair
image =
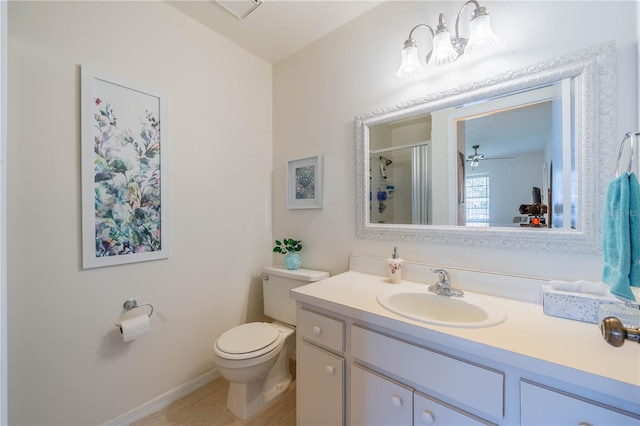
x: 164, y: 400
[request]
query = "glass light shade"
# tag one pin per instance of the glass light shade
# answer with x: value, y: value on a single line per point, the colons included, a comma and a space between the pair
x: 443, y: 51
x: 481, y: 37
x: 410, y: 65
x: 474, y: 163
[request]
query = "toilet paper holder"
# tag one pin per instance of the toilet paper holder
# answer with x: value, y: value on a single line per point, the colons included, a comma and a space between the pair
x: 133, y: 304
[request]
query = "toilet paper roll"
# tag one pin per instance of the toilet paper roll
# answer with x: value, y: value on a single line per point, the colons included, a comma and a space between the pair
x: 133, y: 327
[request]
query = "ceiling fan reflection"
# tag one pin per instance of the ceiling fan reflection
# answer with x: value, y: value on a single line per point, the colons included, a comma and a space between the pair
x: 474, y: 159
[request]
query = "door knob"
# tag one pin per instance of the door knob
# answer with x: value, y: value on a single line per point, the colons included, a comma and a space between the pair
x: 615, y: 333
x: 396, y: 401
x: 428, y: 417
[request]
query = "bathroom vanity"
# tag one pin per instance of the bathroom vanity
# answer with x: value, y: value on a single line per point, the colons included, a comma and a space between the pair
x: 361, y: 364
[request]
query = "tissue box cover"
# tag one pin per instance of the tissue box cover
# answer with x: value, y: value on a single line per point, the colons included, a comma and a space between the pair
x: 576, y: 306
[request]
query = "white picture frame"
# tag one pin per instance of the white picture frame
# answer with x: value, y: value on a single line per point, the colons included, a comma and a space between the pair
x: 304, y: 183
x: 125, y: 172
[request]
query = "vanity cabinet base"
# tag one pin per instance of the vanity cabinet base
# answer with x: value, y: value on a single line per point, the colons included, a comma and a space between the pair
x: 541, y: 405
x: 356, y: 372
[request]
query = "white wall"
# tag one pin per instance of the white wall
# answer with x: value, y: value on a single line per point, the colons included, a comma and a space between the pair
x: 319, y: 91
x: 68, y: 364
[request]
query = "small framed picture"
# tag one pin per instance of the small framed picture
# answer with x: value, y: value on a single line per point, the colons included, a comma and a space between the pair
x: 304, y: 183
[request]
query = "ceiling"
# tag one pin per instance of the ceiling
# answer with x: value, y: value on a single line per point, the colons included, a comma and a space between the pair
x: 511, y: 131
x: 276, y: 28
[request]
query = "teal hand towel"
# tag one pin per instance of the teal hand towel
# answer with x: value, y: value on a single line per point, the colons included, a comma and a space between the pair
x: 634, y: 230
x: 621, y: 203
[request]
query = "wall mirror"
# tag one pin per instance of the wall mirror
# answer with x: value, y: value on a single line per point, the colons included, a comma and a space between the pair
x: 518, y: 160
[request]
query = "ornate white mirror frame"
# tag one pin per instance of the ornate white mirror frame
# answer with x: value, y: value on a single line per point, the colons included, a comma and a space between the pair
x: 593, y: 71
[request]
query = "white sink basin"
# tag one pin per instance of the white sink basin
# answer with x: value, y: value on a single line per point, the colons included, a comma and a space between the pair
x: 414, y: 301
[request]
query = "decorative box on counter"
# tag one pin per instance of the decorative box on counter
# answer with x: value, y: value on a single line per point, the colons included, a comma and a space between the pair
x: 574, y: 305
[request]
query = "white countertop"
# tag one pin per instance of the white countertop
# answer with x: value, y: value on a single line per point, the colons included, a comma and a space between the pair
x: 563, y: 349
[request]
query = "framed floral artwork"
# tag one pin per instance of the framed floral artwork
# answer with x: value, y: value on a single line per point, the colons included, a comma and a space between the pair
x: 304, y: 183
x: 125, y: 176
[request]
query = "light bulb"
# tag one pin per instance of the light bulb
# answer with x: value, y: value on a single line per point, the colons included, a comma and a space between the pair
x: 410, y: 65
x: 443, y: 51
x: 481, y: 37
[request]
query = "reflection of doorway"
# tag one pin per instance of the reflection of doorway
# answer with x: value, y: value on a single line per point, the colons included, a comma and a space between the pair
x: 511, y: 139
x: 499, y: 145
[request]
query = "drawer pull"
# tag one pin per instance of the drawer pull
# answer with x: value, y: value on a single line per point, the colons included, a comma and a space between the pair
x: 317, y: 330
x: 428, y: 417
x: 396, y: 401
x: 330, y: 370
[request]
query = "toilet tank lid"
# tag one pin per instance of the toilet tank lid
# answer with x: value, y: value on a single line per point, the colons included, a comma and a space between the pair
x: 296, y: 274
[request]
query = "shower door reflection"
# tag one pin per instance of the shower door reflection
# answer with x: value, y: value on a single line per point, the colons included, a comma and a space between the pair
x: 399, y: 184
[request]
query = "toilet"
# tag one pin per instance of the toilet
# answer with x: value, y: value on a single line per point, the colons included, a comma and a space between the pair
x: 254, y: 357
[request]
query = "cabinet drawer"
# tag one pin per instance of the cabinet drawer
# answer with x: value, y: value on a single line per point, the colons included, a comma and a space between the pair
x: 321, y: 330
x: 427, y: 411
x: 468, y: 384
x: 540, y: 405
x: 376, y: 400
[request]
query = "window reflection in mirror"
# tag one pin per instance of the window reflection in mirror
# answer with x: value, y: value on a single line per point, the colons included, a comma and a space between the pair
x: 502, y: 162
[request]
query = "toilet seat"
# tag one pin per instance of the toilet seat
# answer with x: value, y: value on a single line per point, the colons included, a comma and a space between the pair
x: 247, y: 341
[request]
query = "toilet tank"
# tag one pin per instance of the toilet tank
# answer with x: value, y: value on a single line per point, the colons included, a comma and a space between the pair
x: 276, y: 283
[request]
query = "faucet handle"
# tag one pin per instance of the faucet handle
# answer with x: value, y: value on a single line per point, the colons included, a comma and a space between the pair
x: 443, y: 276
x: 443, y: 286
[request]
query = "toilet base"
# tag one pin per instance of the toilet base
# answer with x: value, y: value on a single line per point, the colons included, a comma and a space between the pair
x: 246, y: 399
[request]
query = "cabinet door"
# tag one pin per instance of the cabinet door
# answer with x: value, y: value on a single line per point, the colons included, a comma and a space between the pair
x: 376, y: 400
x: 320, y: 387
x: 483, y: 388
x: 542, y: 406
x: 427, y: 411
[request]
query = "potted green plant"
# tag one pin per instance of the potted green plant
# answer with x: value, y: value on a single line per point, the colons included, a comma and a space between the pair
x: 290, y: 248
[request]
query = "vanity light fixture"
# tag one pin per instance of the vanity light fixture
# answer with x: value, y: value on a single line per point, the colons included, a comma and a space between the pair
x: 446, y: 48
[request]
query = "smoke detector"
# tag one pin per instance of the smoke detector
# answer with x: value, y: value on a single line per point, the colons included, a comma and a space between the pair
x: 240, y: 8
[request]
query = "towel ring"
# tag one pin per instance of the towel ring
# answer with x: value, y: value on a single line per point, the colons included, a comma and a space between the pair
x: 632, y: 137
x: 133, y: 304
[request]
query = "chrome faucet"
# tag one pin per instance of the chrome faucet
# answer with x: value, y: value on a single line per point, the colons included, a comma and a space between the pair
x: 443, y: 286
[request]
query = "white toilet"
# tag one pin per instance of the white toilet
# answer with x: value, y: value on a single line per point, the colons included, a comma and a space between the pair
x: 254, y: 357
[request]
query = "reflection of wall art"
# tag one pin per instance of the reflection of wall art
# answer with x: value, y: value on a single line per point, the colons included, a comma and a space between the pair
x: 304, y: 183
x: 124, y: 173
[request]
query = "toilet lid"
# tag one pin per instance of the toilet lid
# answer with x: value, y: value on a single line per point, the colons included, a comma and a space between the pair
x: 247, y: 338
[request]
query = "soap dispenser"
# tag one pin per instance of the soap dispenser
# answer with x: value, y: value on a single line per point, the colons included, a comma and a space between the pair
x: 395, y: 267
